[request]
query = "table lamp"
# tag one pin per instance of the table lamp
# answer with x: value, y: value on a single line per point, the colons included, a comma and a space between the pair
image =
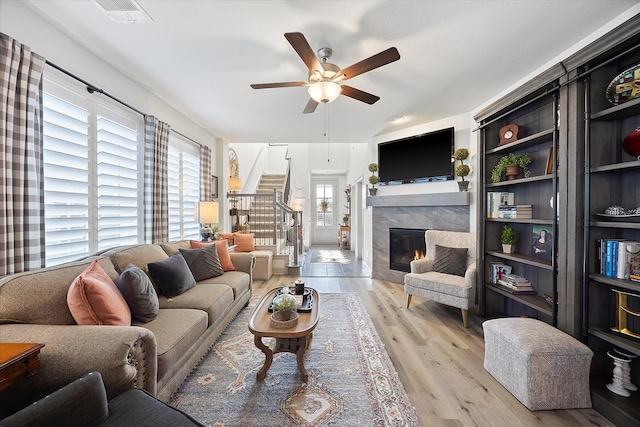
x: 206, y: 213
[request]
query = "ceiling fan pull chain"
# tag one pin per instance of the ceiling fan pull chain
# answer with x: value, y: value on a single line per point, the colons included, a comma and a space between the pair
x: 326, y: 127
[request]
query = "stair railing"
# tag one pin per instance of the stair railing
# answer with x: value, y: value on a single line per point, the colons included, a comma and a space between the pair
x: 272, y: 221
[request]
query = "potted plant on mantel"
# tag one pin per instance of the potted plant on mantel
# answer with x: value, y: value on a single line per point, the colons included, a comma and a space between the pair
x: 508, y: 239
x: 511, y: 165
x: 373, y: 179
x: 462, y: 170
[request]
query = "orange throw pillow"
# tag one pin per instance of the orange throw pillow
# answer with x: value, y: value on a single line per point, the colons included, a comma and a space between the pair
x: 244, y: 242
x: 94, y: 299
x: 223, y: 252
x: 231, y: 237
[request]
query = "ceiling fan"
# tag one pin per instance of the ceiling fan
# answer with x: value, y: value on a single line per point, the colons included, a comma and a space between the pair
x: 325, y: 78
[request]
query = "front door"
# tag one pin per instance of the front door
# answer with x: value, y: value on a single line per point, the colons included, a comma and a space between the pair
x: 325, y: 211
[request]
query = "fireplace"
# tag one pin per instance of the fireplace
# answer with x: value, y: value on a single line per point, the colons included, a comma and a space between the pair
x: 405, y: 245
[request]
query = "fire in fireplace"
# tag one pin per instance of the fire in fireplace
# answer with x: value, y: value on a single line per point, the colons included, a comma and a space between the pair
x: 405, y: 245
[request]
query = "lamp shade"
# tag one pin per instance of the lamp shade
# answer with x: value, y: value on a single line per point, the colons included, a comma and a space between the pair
x: 324, y: 91
x: 234, y: 184
x: 206, y: 212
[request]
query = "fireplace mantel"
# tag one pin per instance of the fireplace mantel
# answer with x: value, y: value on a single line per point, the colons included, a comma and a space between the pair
x: 460, y: 198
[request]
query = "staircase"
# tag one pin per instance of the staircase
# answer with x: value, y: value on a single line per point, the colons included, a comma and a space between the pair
x: 262, y: 221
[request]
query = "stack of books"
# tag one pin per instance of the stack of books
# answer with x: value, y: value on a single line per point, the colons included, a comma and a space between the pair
x: 515, y: 284
x: 515, y: 211
x: 497, y: 199
x: 620, y: 259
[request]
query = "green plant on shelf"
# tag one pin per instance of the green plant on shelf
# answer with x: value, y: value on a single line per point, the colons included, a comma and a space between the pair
x: 508, y: 235
x: 522, y: 160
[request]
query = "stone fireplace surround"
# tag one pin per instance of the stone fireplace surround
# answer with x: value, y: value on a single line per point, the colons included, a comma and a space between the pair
x: 436, y: 211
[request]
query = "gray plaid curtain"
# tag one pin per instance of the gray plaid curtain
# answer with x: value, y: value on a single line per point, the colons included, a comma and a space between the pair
x: 205, y: 173
x: 21, y: 158
x: 156, y: 222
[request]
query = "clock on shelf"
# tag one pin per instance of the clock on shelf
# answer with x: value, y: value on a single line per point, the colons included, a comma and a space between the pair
x: 509, y: 133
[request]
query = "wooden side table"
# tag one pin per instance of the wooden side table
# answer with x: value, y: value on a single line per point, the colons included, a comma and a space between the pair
x: 344, y: 230
x: 18, y: 359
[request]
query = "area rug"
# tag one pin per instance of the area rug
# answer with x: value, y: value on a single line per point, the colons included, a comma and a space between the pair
x: 352, y: 381
x: 333, y: 256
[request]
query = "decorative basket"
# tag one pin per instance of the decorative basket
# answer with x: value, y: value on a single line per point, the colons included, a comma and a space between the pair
x: 284, y: 319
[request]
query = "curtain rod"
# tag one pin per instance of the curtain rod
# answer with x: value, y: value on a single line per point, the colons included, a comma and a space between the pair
x: 185, y: 136
x: 92, y: 88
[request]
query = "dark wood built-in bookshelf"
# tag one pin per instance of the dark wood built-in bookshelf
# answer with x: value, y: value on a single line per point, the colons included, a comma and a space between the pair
x: 565, y: 109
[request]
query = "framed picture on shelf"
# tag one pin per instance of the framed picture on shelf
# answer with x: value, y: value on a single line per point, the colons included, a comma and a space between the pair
x: 214, y: 187
x: 541, y: 241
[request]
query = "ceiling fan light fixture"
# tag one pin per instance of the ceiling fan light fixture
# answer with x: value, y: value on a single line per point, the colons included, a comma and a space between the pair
x: 324, y: 91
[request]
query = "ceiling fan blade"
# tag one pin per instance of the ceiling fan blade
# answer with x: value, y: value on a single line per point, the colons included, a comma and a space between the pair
x: 282, y: 84
x: 311, y: 106
x: 303, y: 49
x: 358, y: 94
x: 371, y: 63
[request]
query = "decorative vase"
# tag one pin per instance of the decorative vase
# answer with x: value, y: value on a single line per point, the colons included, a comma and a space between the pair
x: 373, y: 191
x: 512, y: 172
x: 631, y: 143
x: 463, y: 185
x: 508, y: 249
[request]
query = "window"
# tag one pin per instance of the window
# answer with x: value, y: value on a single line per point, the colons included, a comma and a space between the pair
x: 92, y: 175
x: 184, y: 187
x: 324, y: 202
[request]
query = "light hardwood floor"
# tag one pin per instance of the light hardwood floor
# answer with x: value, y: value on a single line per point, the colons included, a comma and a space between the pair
x: 440, y: 362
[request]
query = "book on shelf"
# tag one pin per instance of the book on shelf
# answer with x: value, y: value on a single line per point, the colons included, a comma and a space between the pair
x: 618, y: 257
x: 515, y: 211
x: 515, y: 278
x: 497, y: 198
x: 513, y: 289
x: 497, y: 270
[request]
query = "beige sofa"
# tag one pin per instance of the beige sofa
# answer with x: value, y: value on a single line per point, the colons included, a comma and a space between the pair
x: 155, y: 356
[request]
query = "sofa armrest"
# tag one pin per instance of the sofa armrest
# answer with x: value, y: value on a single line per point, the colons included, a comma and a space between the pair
x: 82, y: 403
x: 243, y: 261
x: 470, y: 280
x: 421, y: 265
x: 125, y: 356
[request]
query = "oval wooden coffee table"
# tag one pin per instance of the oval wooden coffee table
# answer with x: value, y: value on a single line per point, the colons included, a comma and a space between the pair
x: 293, y: 340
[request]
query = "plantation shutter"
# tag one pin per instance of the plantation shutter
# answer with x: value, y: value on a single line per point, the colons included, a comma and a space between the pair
x: 66, y: 177
x: 119, y: 187
x: 92, y: 175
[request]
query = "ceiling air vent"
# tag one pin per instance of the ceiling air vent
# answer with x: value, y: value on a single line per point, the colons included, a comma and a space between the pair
x: 124, y: 11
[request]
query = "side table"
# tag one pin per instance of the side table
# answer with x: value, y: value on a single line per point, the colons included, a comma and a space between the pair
x: 17, y: 359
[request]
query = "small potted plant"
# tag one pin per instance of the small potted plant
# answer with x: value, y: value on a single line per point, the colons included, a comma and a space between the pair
x: 462, y: 170
x: 508, y: 239
x: 373, y: 179
x: 511, y: 165
x: 345, y: 219
x: 284, y: 310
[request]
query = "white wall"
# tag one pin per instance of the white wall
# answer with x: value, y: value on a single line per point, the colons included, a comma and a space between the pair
x: 464, y: 138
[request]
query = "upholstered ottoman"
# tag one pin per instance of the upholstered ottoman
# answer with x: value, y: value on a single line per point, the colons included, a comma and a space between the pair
x: 543, y: 367
x: 264, y: 265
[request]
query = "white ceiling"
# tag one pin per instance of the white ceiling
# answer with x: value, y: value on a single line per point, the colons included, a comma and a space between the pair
x: 201, y: 56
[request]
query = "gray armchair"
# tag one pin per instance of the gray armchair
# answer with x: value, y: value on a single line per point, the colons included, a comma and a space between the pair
x: 445, y: 276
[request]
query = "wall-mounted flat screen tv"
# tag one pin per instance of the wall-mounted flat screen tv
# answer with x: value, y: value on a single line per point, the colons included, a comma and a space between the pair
x: 419, y: 158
